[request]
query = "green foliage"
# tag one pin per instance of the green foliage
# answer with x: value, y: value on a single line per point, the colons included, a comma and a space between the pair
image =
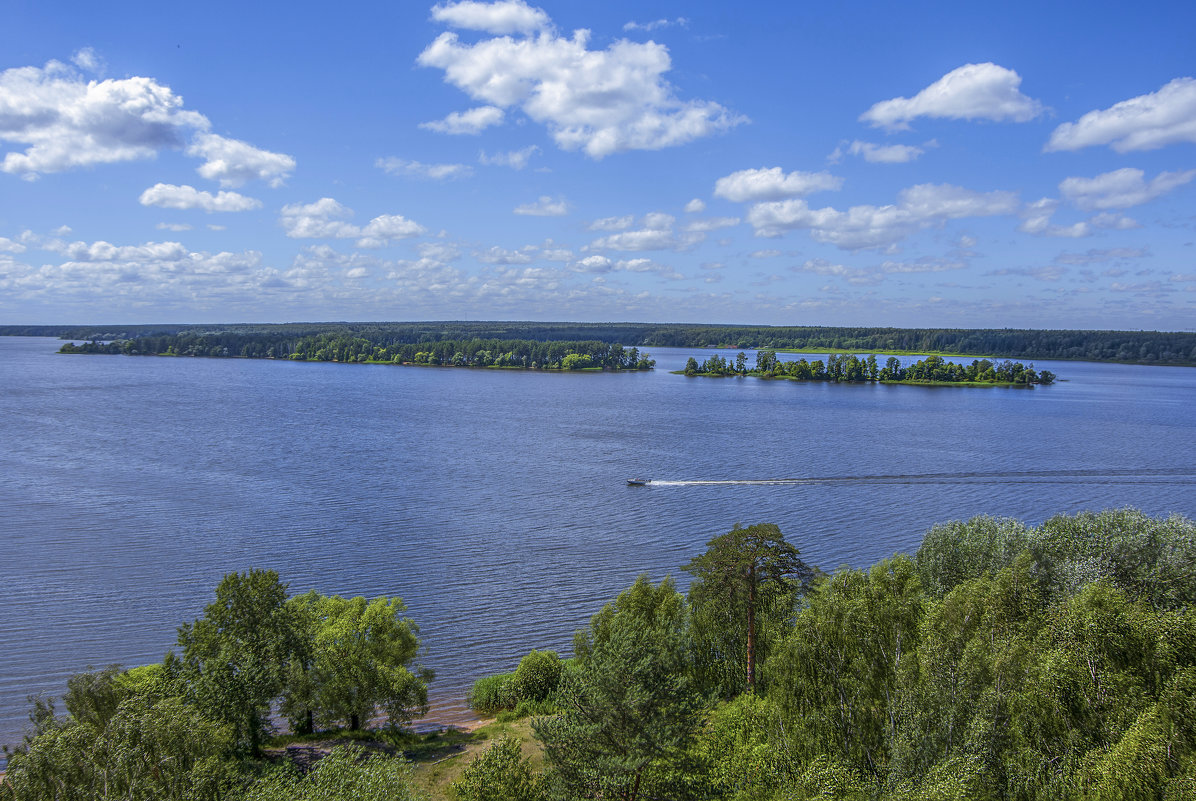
x: 492, y: 694
x: 136, y: 749
x: 346, y: 774
x: 537, y: 676
x: 628, y: 709
x: 359, y: 660
x: 745, y: 582
x: 500, y: 773
x: 236, y: 657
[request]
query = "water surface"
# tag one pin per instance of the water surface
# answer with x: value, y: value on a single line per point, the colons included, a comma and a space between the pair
x: 494, y: 502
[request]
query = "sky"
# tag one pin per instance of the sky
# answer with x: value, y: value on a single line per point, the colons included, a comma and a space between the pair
x: 878, y: 164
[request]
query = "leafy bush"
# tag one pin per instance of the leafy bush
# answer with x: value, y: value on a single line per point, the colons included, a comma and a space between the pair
x: 528, y: 709
x: 492, y: 694
x: 537, y: 676
x: 500, y: 773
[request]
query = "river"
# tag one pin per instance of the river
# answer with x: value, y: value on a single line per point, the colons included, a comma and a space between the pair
x: 494, y: 502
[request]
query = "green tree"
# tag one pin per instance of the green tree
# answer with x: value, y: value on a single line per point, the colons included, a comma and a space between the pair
x: 500, y: 773
x: 735, y: 568
x: 236, y: 657
x: 346, y: 774
x: 361, y: 660
x: 628, y: 708
x: 537, y: 676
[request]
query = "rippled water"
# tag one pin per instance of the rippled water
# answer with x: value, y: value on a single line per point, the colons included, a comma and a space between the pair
x: 495, y: 502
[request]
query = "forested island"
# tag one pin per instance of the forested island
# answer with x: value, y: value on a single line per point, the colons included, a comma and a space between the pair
x: 999, y: 661
x: 1135, y: 347
x: 840, y: 368
x: 338, y: 347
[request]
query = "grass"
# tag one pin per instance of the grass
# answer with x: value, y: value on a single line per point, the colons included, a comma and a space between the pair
x: 437, y: 758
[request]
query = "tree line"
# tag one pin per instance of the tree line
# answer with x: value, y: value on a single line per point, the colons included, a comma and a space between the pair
x: 1136, y: 347
x: 345, y: 348
x: 1000, y: 661
x: 851, y: 368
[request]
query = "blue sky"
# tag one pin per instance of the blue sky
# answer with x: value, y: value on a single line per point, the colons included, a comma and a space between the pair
x: 915, y: 164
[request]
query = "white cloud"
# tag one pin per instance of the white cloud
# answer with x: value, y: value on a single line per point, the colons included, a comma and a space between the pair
x: 746, y: 186
x: 86, y: 58
x: 234, y: 163
x: 515, y: 159
x: 506, y: 16
x: 167, y: 226
x: 1051, y: 272
x: 613, y: 223
x: 1146, y: 122
x: 648, y: 27
x: 437, y: 172
x: 1121, y: 189
x: 470, y: 122
x: 545, y: 206
x: 327, y: 219
x: 877, y: 154
x: 598, y: 101
x: 67, y: 122
x: 497, y: 255
x: 1114, y: 221
x: 1036, y: 219
x: 9, y: 246
x: 971, y: 92
x: 1095, y: 256
x: 862, y: 227
x: 655, y: 233
x: 712, y: 224
x: 169, y: 196
x: 695, y: 206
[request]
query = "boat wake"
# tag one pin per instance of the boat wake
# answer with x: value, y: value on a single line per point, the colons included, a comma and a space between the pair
x: 1087, y: 477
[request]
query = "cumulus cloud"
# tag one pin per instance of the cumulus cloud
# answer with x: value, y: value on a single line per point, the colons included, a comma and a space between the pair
x: 328, y: 219
x: 67, y: 122
x: 655, y: 232
x: 169, y: 196
x: 877, y: 154
x: 498, y: 255
x: 545, y: 206
x: 515, y: 159
x: 712, y: 224
x: 695, y: 206
x: 1114, y: 221
x: 9, y: 246
x: 470, y: 122
x: 613, y: 223
x: 1096, y: 256
x: 177, y: 227
x: 1146, y: 122
x: 771, y: 183
x: 597, y: 101
x: 863, y: 227
x: 86, y: 58
x: 417, y: 169
x: 1051, y: 272
x: 1121, y: 189
x: 506, y: 16
x: 234, y: 163
x: 648, y: 27
x: 1036, y: 219
x: 971, y: 92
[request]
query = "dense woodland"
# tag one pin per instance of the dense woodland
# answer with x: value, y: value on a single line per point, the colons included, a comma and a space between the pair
x: 338, y: 347
x: 843, y: 368
x: 1001, y: 661
x: 1140, y: 347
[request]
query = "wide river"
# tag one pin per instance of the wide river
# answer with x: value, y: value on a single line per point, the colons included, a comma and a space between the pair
x: 495, y: 503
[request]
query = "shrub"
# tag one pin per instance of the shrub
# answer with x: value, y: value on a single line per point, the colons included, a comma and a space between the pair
x: 492, y: 694
x: 537, y: 676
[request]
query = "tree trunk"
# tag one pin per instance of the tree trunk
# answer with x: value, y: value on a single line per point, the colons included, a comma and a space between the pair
x: 354, y: 722
x: 751, y: 632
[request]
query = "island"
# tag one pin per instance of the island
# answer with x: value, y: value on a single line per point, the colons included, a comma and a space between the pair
x: 840, y: 368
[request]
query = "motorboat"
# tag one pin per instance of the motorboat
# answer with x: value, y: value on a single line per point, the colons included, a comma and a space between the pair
x: 638, y: 482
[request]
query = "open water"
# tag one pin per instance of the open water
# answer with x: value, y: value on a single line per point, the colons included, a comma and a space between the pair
x: 494, y: 502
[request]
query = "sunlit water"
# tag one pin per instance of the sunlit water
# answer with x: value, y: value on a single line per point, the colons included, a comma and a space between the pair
x: 495, y: 502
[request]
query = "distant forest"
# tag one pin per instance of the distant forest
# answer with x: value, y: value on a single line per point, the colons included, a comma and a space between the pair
x: 1137, y: 347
